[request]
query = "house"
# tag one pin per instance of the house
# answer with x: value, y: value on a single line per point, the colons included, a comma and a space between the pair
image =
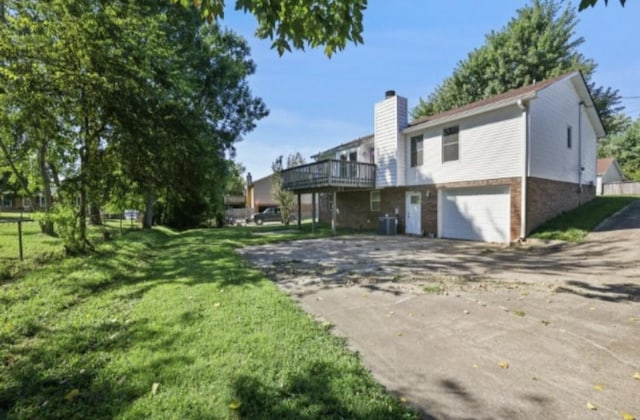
x: 259, y: 197
x: 608, y: 171
x: 492, y: 170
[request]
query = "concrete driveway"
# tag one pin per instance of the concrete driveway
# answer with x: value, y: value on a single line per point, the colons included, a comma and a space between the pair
x: 468, y: 330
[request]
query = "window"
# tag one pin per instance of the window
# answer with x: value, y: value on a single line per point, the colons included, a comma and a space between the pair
x: 568, y: 137
x: 372, y: 155
x: 450, y: 145
x: 375, y: 200
x: 416, y: 151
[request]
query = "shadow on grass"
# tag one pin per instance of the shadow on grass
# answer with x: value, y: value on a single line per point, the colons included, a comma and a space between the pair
x: 311, y: 394
x: 43, y: 377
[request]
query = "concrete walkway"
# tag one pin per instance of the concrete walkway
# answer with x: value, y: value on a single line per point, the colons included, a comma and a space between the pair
x: 467, y: 330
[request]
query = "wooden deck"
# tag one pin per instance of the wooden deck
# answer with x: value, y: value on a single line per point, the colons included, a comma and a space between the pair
x: 329, y: 175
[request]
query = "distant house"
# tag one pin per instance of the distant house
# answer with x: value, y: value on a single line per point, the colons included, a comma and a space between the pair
x: 608, y: 171
x: 492, y: 170
x: 259, y: 196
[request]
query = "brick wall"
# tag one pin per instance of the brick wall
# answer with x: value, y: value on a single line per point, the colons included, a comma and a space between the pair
x: 547, y: 198
x: 354, y: 206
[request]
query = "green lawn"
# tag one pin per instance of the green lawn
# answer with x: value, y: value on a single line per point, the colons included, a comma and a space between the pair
x: 573, y: 226
x: 159, y: 324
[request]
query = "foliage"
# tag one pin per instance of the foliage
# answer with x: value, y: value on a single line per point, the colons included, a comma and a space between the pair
x: 89, y: 337
x: 296, y: 23
x: 625, y: 148
x: 591, y: 3
x: 284, y: 198
x: 235, y: 180
x: 124, y: 99
x: 574, y: 225
x: 539, y: 43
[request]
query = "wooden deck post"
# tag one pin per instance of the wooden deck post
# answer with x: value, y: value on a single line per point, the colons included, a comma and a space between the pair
x: 313, y: 212
x: 299, y: 211
x: 333, y: 213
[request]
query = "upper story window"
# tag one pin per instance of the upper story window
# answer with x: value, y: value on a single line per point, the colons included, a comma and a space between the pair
x: 372, y: 155
x: 450, y: 144
x: 416, y: 150
x: 568, y: 137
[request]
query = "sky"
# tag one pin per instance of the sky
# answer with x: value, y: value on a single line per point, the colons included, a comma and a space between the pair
x: 410, y: 46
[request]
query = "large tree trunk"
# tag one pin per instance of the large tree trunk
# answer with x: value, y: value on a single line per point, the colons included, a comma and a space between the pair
x: 94, y: 217
x: 147, y: 221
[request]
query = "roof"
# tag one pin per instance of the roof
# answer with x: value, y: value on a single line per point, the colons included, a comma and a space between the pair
x: 512, y: 94
x: 603, y: 165
x: 494, y: 102
x: 348, y: 145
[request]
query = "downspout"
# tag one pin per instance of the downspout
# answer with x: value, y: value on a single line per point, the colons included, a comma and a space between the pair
x: 580, y: 168
x: 525, y: 172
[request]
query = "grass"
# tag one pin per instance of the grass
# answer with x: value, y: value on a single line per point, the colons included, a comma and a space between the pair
x: 574, y: 225
x: 181, y: 314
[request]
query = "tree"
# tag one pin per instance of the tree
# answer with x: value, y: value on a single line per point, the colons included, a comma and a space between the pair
x: 122, y: 97
x: 590, y: 3
x: 284, y: 198
x: 625, y: 148
x: 539, y: 43
x: 296, y: 23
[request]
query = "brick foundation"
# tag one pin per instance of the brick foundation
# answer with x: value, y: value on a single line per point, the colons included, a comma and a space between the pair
x: 547, y: 199
x: 354, y: 206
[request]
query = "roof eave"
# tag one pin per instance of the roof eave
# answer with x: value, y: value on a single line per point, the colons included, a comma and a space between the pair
x: 512, y: 101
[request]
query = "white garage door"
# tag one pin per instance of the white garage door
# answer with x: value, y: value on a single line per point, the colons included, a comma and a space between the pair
x: 480, y: 214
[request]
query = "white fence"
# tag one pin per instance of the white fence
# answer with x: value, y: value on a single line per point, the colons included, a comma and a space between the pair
x: 621, y: 188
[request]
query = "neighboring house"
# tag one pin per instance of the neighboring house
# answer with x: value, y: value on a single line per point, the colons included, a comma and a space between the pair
x: 492, y: 170
x: 259, y: 197
x: 608, y: 171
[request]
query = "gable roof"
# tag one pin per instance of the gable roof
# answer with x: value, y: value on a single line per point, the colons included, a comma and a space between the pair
x: 607, y: 163
x: 512, y: 97
x: 494, y: 102
x: 603, y: 165
x: 509, y: 95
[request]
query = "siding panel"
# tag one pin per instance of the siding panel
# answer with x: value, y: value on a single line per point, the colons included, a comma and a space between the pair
x: 490, y: 147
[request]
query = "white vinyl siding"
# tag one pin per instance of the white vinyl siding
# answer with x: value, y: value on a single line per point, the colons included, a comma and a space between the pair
x: 552, y: 112
x: 390, y: 118
x: 489, y: 147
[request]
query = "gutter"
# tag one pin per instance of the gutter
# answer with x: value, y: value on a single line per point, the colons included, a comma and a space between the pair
x: 580, y: 168
x: 525, y: 170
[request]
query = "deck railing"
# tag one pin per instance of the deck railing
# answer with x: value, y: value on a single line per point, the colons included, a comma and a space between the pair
x: 330, y: 173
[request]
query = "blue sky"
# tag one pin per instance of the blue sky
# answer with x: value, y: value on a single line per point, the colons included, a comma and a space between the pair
x: 410, y: 46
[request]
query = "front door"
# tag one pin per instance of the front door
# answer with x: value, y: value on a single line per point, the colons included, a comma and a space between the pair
x: 414, y: 213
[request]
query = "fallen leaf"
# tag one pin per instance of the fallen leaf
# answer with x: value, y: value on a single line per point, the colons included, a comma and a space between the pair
x: 475, y: 365
x: 154, y: 388
x: 636, y: 376
x: 598, y: 387
x: 545, y: 323
x: 466, y: 312
x: 235, y: 404
x: 399, y: 334
x: 627, y: 416
x: 592, y: 308
x: 591, y: 406
x: 72, y: 394
x: 216, y: 305
x: 503, y: 365
x: 403, y: 399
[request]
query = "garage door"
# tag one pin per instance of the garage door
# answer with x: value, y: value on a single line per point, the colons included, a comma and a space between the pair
x: 480, y: 214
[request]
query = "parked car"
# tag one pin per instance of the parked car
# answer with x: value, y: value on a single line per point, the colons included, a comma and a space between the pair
x: 271, y: 214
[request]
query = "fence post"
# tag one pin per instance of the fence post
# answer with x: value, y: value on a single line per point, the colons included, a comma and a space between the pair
x: 20, y: 238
